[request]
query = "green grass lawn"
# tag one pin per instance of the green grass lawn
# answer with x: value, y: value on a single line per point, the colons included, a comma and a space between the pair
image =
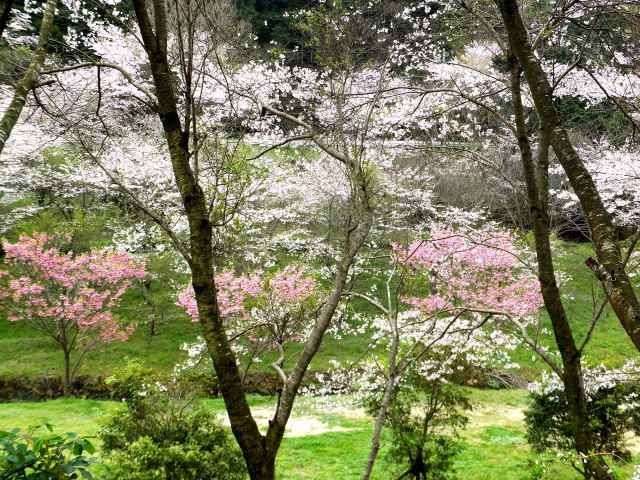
x: 494, y: 447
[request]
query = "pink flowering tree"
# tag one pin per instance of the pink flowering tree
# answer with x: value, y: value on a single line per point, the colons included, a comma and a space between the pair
x: 67, y: 297
x: 457, y: 298
x: 468, y: 270
x: 262, y: 311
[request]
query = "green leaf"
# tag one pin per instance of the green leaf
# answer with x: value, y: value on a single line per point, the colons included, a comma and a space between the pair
x: 86, y: 474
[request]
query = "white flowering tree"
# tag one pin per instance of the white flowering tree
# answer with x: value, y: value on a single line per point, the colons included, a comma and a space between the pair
x: 459, y: 293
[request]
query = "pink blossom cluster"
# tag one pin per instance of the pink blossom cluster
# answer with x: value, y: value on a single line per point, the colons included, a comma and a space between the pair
x: 58, y: 293
x: 272, y: 301
x: 232, y: 294
x: 467, y: 270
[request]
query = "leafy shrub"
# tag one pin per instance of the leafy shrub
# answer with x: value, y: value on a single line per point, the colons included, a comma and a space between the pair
x: 425, y: 416
x: 46, y: 457
x: 165, y: 435
x: 614, y: 411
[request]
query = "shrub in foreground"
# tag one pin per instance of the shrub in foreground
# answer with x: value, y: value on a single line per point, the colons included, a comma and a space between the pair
x: 165, y: 434
x: 425, y: 417
x: 614, y: 412
x: 44, y: 457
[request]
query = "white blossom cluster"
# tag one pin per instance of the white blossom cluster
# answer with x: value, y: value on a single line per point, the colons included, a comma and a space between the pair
x: 595, y: 378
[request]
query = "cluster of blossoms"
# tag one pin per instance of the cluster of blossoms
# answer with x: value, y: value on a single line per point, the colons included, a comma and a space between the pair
x: 595, y: 379
x: 464, y: 270
x: 150, y: 389
x: 616, y: 172
x: 67, y: 297
x: 459, y: 292
x: 267, y: 309
x: 55, y: 292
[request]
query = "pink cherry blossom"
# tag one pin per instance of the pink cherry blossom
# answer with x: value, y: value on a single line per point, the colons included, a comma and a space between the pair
x: 270, y: 308
x: 462, y: 271
x: 67, y: 297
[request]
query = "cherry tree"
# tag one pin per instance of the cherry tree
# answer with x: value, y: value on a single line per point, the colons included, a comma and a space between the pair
x: 163, y: 141
x: 264, y: 311
x: 610, y: 269
x: 457, y: 290
x: 491, y: 88
x: 67, y: 298
x: 186, y: 123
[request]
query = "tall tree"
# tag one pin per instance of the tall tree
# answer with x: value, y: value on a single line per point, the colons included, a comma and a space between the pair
x: 259, y: 450
x: 536, y: 180
x: 610, y: 266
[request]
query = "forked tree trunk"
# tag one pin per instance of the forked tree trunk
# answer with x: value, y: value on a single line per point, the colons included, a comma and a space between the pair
x: 243, y: 425
x: 259, y: 451
x: 572, y: 378
x: 610, y: 270
x: 30, y: 78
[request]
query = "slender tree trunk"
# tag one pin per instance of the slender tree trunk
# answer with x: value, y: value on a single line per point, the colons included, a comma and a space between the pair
x: 67, y: 372
x: 30, y: 78
x: 5, y: 14
x: 610, y: 270
x: 386, y: 399
x: 362, y: 215
x: 572, y: 378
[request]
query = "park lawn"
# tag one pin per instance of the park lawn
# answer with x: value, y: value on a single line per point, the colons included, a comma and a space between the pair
x: 24, y: 352
x: 494, y: 447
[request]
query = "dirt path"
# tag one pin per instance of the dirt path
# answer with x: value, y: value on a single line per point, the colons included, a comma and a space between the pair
x: 297, y: 426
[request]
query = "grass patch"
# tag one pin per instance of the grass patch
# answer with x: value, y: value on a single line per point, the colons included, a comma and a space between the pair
x: 493, y: 444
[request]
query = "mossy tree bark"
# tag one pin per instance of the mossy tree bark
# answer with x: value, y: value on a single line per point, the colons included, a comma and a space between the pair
x: 536, y: 180
x: 30, y: 77
x: 610, y: 269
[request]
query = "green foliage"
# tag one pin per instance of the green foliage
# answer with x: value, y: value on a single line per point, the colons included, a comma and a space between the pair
x: 342, y: 34
x: 594, y: 121
x: 164, y: 434
x: 339, y: 455
x: 152, y: 304
x: 46, y: 457
x: 613, y: 413
x: 425, y: 417
x: 270, y: 19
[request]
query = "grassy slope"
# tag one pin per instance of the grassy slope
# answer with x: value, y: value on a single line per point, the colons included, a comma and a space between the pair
x: 494, y: 446
x: 23, y: 352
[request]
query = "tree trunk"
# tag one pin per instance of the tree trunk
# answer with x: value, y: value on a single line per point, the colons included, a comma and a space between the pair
x: 243, y: 425
x: 386, y: 399
x: 259, y: 451
x: 30, y: 78
x: 362, y: 215
x: 5, y: 14
x: 611, y: 270
x: 67, y: 372
x: 572, y: 377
